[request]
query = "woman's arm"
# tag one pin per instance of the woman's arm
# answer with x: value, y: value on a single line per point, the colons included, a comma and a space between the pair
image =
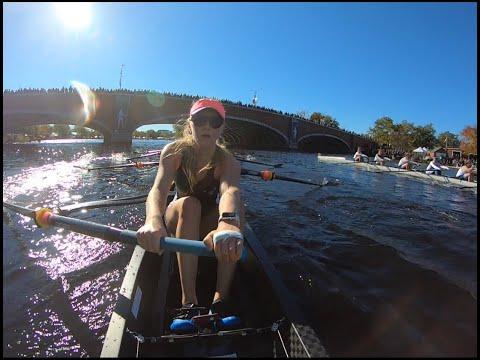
x: 149, y: 234
x: 230, y: 199
x: 230, y: 249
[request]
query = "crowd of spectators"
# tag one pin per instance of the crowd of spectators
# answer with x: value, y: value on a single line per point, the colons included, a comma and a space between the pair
x: 65, y: 90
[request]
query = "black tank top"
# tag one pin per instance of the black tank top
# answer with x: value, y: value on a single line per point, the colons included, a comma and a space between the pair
x: 206, y: 190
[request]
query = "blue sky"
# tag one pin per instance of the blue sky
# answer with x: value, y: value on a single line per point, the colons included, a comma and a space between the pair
x: 353, y: 61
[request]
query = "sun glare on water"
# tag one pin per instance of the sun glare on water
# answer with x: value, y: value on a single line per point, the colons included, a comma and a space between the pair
x: 75, y: 16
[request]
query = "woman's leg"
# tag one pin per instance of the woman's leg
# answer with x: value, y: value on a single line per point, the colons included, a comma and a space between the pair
x: 225, y: 270
x: 182, y: 218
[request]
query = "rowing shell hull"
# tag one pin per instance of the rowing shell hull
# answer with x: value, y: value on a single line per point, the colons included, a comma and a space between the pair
x: 442, y: 180
x: 151, y: 288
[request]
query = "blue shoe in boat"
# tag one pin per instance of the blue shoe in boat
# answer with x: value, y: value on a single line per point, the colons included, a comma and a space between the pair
x: 182, y: 322
x: 228, y: 320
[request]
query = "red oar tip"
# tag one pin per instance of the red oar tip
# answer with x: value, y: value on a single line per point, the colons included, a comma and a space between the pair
x: 42, y: 217
x: 267, y: 175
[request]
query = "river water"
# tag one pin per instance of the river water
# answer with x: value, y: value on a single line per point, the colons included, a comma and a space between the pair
x: 383, y: 265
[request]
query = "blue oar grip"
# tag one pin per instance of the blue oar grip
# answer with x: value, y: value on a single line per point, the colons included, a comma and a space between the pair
x: 193, y: 247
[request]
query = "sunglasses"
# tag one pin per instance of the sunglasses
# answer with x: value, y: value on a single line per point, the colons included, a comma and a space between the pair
x: 201, y: 120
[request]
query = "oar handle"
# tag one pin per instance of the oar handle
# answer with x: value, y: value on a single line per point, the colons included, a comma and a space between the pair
x: 113, y: 234
x: 193, y: 247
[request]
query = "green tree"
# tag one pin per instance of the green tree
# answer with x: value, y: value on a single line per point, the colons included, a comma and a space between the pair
x: 448, y: 139
x: 63, y: 131
x: 383, y: 131
x: 137, y: 134
x: 403, y: 135
x: 424, y: 136
x: 151, y: 134
x: 82, y: 132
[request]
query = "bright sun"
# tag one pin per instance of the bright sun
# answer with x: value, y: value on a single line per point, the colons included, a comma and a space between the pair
x: 76, y: 16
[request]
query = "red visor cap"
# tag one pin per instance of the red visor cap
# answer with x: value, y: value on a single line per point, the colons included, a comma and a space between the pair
x: 201, y: 104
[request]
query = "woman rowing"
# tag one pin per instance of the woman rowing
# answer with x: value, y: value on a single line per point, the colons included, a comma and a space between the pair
x: 405, y: 162
x: 380, y: 157
x: 434, y: 167
x: 466, y: 172
x: 206, y: 177
x: 359, y: 156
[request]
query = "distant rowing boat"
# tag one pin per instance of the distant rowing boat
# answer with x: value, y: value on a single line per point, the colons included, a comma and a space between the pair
x: 438, y: 179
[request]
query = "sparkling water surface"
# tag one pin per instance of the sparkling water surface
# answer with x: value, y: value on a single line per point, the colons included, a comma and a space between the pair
x: 383, y: 265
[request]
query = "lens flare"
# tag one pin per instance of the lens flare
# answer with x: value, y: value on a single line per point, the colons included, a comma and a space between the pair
x: 88, y: 99
x: 156, y: 99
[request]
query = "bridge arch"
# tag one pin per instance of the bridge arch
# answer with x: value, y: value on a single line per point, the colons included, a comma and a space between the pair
x: 18, y: 119
x: 278, y: 132
x: 253, y: 134
x: 338, y: 145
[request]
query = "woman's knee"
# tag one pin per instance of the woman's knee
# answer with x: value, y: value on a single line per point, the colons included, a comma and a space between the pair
x: 189, y: 206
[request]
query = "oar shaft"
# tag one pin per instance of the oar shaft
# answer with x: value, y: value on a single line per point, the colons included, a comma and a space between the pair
x: 113, y: 234
x: 19, y: 209
x: 101, y: 231
x: 138, y: 199
x: 275, y: 176
x: 139, y: 165
x: 153, y: 153
x: 279, y: 177
x: 257, y: 162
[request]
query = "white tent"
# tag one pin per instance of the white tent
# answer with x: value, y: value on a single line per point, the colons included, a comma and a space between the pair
x: 420, y: 150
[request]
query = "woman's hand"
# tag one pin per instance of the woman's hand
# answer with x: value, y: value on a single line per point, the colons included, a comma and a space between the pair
x: 227, y: 249
x: 149, y: 235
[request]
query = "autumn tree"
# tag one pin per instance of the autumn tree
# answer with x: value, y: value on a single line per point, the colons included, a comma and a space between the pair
x: 325, y: 120
x: 316, y: 117
x: 331, y: 122
x: 468, y: 143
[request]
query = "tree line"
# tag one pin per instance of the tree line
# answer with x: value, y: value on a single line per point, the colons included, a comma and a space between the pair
x: 61, y: 131
x: 406, y: 136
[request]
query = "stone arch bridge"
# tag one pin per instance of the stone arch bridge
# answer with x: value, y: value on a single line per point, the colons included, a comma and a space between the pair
x: 116, y: 115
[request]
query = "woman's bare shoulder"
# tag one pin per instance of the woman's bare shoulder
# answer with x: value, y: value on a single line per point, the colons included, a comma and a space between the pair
x: 171, y: 151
